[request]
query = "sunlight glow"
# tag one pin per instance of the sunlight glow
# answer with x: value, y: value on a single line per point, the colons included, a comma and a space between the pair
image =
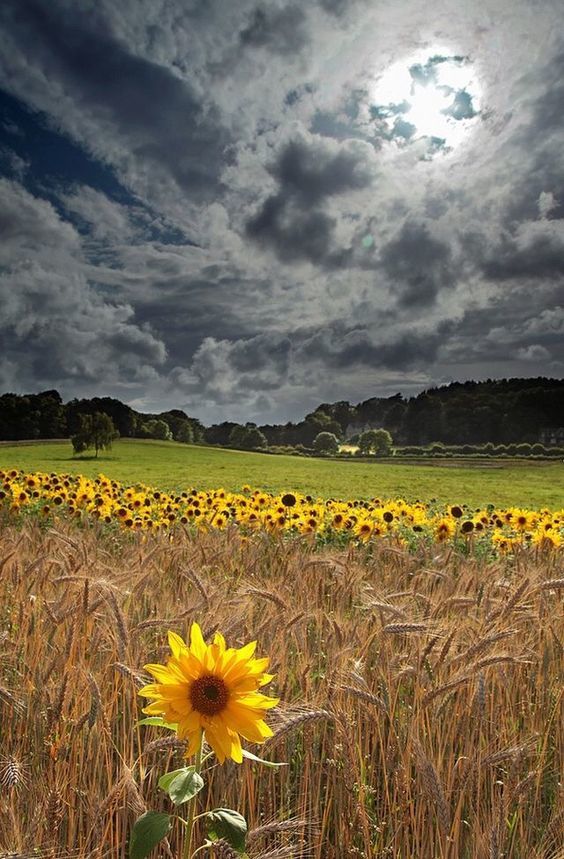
x: 434, y: 94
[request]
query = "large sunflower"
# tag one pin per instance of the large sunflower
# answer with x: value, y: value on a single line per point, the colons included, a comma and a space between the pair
x: 213, y: 690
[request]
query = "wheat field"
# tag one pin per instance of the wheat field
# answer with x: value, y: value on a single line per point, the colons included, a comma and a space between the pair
x: 421, y: 708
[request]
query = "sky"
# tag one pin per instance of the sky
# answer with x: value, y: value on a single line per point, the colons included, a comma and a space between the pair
x: 244, y: 209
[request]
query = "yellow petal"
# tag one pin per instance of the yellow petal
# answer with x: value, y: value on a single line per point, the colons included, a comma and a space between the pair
x: 194, y: 741
x: 216, y: 745
x: 219, y: 739
x: 219, y: 640
x: 176, y: 643
x: 197, y: 643
x: 153, y: 690
x: 236, y: 750
x: 245, y: 653
x: 154, y: 709
x: 251, y: 727
x: 161, y: 673
x: 188, y: 724
x: 257, y: 700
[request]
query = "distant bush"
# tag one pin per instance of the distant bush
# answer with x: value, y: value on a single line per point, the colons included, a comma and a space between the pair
x: 376, y: 441
x: 303, y: 450
x: 438, y: 450
x: 326, y: 442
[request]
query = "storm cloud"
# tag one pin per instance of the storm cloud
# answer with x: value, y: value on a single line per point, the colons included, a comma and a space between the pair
x: 246, y: 209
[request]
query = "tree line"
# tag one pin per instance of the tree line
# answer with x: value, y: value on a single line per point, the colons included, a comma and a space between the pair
x: 497, y: 412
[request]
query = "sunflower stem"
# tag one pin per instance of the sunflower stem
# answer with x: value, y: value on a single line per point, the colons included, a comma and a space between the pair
x: 187, y: 854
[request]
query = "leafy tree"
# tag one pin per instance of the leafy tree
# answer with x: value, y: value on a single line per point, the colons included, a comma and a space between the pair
x: 185, y: 433
x: 97, y: 431
x: 247, y: 437
x: 156, y: 429
x: 219, y: 433
x: 377, y: 441
x: 124, y: 418
x: 326, y: 442
x: 176, y: 420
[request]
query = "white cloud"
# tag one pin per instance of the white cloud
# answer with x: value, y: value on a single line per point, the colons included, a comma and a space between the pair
x: 534, y: 352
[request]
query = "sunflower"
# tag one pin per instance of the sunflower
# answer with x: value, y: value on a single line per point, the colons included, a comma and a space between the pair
x: 211, y: 690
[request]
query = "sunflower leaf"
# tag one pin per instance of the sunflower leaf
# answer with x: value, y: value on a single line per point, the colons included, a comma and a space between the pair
x: 181, y: 785
x: 167, y: 778
x: 147, y: 831
x: 273, y: 764
x: 229, y: 825
x: 159, y: 722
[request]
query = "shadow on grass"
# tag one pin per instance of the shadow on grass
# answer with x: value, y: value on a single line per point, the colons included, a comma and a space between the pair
x: 90, y: 458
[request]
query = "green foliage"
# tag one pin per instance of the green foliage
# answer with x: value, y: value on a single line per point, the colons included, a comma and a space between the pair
x: 148, y: 830
x: 229, y: 825
x: 377, y: 441
x: 181, y: 785
x: 32, y: 416
x: 247, y: 437
x: 272, y: 764
x: 97, y: 431
x: 326, y: 442
x: 159, y: 722
x: 157, y: 429
x: 185, y: 434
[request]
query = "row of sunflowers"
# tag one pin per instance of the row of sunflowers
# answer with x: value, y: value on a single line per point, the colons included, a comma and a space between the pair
x: 144, y: 508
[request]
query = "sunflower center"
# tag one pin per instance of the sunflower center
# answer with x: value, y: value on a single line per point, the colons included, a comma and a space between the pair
x: 209, y: 695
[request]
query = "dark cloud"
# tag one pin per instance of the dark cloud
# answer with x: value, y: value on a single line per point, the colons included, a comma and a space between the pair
x: 418, y: 265
x: 54, y: 324
x: 283, y: 31
x: 292, y: 233
x: 125, y: 128
x: 539, y: 133
x: 536, y: 255
x: 336, y: 7
x: 359, y: 348
x: 510, y: 327
x: 291, y: 222
x: 159, y: 115
x: 311, y: 171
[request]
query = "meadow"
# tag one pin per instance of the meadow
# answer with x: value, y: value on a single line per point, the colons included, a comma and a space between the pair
x: 176, y: 466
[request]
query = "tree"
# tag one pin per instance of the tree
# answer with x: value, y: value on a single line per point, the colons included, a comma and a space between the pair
x: 97, y: 431
x: 377, y: 441
x: 326, y: 442
x: 219, y: 434
x: 156, y: 429
x: 185, y: 433
x: 247, y: 437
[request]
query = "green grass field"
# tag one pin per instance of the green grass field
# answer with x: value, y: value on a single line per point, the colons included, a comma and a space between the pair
x: 176, y: 466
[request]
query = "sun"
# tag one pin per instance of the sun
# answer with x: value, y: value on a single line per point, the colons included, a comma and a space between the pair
x: 434, y: 95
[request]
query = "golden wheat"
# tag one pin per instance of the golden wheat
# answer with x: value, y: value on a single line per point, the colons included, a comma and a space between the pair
x: 420, y: 737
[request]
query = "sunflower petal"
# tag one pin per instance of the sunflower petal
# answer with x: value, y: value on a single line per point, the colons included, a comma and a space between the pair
x: 197, y: 643
x: 176, y: 643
